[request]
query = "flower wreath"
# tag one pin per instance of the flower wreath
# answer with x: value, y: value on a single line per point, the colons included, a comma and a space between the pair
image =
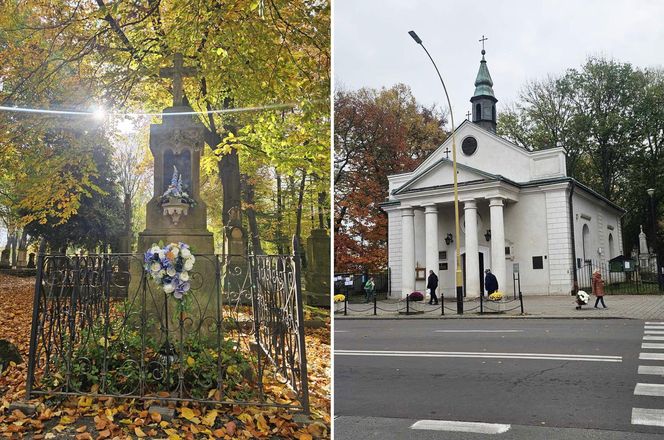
x: 170, y: 266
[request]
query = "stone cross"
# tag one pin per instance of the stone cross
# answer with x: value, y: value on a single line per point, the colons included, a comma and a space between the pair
x: 177, y: 72
x: 447, y: 152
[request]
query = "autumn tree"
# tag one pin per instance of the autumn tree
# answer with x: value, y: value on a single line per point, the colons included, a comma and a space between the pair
x: 376, y: 133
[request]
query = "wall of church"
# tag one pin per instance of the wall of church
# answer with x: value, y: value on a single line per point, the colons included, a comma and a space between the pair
x: 559, y: 241
x: 525, y: 228
x: 595, y: 223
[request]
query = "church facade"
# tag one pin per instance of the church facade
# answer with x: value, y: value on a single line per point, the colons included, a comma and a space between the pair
x: 518, y: 210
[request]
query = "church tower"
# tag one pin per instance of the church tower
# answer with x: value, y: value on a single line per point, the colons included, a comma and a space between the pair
x: 483, y: 100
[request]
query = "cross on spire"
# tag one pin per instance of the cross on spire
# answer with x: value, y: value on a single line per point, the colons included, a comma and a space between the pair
x: 482, y: 40
x: 177, y: 72
x: 447, y: 152
x: 468, y: 115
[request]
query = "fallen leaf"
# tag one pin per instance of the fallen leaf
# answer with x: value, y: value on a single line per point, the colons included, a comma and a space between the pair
x: 139, y: 432
x: 230, y: 428
x: 209, y: 418
x: 81, y: 428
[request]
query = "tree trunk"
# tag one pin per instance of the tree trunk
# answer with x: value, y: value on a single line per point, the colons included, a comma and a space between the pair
x: 248, y: 192
x: 279, y: 233
x: 300, y: 198
x: 229, y: 173
x: 322, y: 224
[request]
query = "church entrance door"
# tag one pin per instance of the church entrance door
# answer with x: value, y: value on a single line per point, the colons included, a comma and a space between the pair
x: 480, y: 268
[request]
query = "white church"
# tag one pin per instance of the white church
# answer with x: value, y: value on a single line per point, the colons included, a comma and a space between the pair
x: 518, y: 209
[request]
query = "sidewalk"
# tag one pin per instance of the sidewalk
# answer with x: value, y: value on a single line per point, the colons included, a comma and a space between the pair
x: 647, y: 307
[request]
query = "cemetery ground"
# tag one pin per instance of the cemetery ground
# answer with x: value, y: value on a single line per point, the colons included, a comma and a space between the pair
x: 83, y: 417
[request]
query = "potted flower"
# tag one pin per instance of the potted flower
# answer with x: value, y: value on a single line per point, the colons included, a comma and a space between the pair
x: 338, y: 299
x: 416, y: 296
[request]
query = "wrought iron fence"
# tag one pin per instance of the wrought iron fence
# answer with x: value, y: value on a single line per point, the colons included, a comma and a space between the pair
x: 638, y: 279
x: 239, y: 330
x: 352, y: 284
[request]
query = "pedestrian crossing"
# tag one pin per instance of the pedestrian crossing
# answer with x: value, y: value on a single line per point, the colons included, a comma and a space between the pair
x: 653, y: 381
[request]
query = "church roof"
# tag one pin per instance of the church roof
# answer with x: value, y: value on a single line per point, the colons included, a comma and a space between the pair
x: 483, y: 82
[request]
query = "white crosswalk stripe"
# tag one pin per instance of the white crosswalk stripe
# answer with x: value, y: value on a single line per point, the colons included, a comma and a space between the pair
x: 651, y: 369
x: 454, y: 426
x: 652, y: 331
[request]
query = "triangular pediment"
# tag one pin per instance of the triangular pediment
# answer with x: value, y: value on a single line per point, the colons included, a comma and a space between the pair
x: 442, y: 173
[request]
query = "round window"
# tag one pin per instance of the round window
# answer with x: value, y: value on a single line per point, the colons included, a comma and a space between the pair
x: 469, y: 146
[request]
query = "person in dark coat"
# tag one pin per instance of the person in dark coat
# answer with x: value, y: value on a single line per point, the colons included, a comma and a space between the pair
x: 598, y: 288
x: 490, y: 282
x: 432, y: 285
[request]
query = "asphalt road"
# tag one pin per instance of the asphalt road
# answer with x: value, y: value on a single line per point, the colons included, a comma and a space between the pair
x: 571, y: 379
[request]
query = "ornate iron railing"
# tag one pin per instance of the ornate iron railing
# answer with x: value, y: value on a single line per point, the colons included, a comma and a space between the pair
x: 240, y: 329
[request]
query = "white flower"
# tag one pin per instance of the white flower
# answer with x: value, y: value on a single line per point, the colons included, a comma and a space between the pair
x: 155, y: 267
x: 186, y: 253
x: 175, y: 250
x: 161, y: 273
x: 171, y: 271
x: 169, y: 288
x: 189, y: 264
x: 184, y: 276
x: 162, y: 254
x: 155, y: 249
x: 192, y: 259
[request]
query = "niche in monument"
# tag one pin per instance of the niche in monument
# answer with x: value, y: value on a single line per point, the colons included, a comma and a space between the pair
x: 182, y: 161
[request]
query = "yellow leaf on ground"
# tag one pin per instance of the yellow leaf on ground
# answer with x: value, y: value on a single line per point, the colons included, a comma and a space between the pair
x: 305, y: 437
x: 139, y: 432
x: 210, y: 417
x: 84, y: 402
x: 67, y: 420
x: 190, y: 361
x: 189, y: 414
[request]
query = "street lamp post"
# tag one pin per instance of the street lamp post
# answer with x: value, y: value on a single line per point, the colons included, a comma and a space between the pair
x: 459, y: 275
x: 651, y: 193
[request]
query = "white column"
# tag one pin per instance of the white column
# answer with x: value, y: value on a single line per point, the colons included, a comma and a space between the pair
x: 472, y: 250
x: 407, y: 251
x: 498, y: 242
x: 431, y: 238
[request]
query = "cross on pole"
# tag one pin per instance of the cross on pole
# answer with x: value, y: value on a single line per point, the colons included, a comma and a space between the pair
x: 468, y: 115
x: 177, y: 72
x: 482, y: 40
x: 447, y: 152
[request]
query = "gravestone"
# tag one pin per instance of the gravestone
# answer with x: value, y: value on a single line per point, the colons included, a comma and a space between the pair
x: 31, y: 260
x: 22, y: 260
x: 4, y: 259
x: 176, y: 145
x: 317, y: 274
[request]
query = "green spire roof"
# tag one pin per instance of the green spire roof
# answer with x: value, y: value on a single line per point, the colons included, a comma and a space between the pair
x: 483, y: 82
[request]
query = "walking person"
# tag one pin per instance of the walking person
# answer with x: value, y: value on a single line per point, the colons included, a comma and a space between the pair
x: 369, y: 288
x: 490, y: 282
x: 598, y: 288
x: 432, y: 285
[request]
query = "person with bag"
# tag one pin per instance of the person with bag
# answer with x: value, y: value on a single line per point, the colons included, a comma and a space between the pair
x: 598, y: 287
x: 369, y: 288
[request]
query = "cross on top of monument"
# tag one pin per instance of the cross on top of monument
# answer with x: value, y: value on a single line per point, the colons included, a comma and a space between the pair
x: 482, y: 40
x: 177, y: 72
x: 447, y: 152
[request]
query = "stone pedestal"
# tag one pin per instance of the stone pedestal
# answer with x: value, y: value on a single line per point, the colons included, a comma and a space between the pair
x: 317, y: 275
x: 178, y: 142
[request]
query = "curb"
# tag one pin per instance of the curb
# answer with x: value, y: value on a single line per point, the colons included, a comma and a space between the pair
x: 397, y: 318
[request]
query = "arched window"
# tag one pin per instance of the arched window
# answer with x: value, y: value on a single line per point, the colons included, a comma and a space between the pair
x: 585, y: 234
x: 612, y: 251
x: 478, y: 112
